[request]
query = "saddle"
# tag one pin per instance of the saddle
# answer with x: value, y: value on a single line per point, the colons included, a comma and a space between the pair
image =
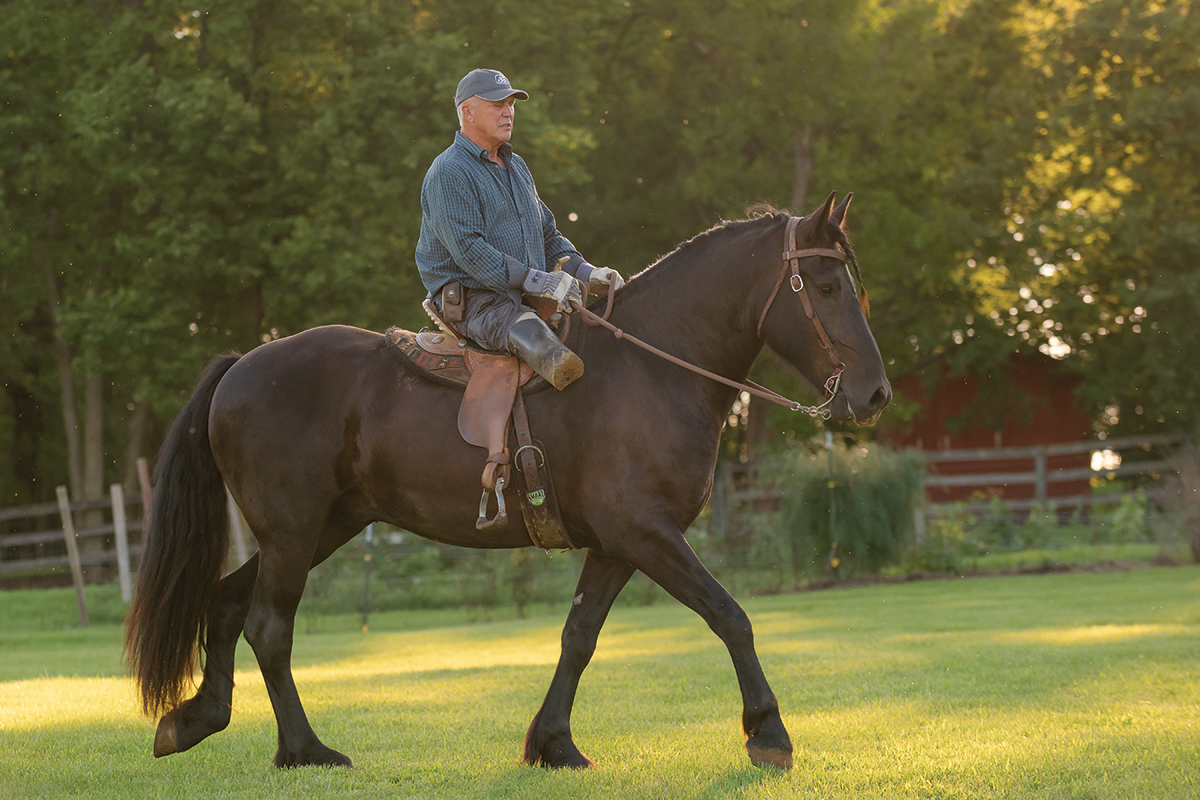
x: 494, y: 385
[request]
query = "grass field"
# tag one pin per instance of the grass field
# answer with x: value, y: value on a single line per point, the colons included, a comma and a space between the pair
x: 1065, y: 685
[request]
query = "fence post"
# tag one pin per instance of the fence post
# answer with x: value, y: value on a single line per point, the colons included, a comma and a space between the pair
x: 920, y: 519
x: 366, y: 608
x: 719, y: 503
x: 121, y: 534
x: 64, y: 511
x: 1039, y: 470
x: 143, y: 473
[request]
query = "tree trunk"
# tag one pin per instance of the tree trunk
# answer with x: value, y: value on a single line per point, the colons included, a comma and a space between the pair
x: 802, y: 164
x: 62, y: 358
x: 93, y: 438
x: 135, y: 442
x: 93, y: 473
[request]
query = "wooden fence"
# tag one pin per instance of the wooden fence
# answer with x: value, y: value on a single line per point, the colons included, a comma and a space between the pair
x: 1025, y: 477
x: 44, y: 550
x: 49, y: 547
x: 1031, y: 469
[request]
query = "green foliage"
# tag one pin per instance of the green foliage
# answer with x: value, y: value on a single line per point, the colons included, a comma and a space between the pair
x: 872, y: 500
x: 960, y: 539
x: 1041, y: 526
x: 947, y: 539
x: 1128, y: 522
x: 198, y: 180
x: 997, y: 528
x: 407, y: 572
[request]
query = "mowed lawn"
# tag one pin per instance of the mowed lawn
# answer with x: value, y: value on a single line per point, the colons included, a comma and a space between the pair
x: 1067, y: 685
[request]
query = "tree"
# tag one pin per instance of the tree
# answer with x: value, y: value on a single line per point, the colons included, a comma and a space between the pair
x: 1107, y: 225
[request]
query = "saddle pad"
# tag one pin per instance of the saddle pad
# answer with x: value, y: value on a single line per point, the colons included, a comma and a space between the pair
x: 445, y: 359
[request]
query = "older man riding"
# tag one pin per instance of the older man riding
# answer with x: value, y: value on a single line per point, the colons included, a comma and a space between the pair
x: 484, y: 228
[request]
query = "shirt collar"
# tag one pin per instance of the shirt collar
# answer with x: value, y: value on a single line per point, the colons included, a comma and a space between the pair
x: 479, y: 152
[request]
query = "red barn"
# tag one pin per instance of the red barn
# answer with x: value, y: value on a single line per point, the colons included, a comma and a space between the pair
x: 1030, y: 403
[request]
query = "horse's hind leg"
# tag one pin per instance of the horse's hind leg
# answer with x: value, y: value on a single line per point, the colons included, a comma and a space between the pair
x: 208, y: 711
x: 548, y: 741
x: 666, y: 558
x: 269, y: 628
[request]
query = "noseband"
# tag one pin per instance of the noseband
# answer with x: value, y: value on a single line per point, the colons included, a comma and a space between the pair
x: 791, y: 264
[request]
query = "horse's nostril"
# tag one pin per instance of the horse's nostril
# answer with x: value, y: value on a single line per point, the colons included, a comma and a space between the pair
x: 880, y: 399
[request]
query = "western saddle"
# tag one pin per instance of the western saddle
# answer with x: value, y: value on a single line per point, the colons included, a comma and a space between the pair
x: 492, y: 396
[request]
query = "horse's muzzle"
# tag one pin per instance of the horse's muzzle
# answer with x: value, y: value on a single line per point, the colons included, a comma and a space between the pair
x: 866, y: 412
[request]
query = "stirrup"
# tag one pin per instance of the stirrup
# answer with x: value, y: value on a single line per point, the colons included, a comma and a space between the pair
x: 501, y: 518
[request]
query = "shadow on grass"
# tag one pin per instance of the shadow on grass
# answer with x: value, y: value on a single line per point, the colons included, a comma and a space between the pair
x: 737, y: 780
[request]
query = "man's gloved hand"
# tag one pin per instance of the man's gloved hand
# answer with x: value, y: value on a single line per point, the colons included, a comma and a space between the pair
x: 558, y: 286
x: 602, y: 280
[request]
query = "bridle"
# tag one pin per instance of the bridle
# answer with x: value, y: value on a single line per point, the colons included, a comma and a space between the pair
x: 791, y: 264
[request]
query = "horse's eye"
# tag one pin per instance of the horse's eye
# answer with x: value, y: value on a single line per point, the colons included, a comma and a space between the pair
x: 826, y: 289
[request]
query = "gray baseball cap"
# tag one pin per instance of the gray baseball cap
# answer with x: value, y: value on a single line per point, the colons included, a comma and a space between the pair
x: 488, y: 84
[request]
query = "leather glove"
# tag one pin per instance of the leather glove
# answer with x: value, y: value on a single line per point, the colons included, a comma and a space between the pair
x: 602, y: 280
x: 557, y: 286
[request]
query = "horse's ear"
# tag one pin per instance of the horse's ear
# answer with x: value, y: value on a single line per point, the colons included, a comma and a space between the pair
x: 816, y: 221
x: 838, y: 215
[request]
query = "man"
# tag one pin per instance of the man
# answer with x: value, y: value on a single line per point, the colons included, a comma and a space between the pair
x: 484, y: 227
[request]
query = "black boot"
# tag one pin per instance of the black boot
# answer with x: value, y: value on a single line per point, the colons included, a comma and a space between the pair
x: 532, y: 342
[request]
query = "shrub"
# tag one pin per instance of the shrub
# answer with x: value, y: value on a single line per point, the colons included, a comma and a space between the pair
x: 947, y: 539
x: 1128, y: 523
x: 872, y: 496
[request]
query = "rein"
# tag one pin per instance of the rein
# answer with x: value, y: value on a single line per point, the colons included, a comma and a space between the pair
x: 791, y: 263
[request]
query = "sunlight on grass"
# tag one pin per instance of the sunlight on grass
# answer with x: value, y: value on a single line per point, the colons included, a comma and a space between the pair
x: 51, y: 702
x: 1095, y: 633
x: 1049, y: 686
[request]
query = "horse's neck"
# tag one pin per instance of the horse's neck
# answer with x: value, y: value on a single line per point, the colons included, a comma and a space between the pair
x: 697, y: 309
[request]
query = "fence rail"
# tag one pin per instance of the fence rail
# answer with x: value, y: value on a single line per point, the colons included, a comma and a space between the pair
x: 1041, y: 476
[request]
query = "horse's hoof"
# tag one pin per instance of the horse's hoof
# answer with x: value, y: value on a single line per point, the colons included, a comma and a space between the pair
x: 318, y: 756
x: 769, y: 758
x: 164, y: 738
x: 576, y: 760
x: 560, y: 757
x: 188, y: 724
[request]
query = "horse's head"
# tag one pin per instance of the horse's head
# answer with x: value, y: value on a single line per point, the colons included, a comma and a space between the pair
x: 827, y: 296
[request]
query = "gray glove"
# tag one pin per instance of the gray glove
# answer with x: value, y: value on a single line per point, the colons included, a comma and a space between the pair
x: 557, y: 286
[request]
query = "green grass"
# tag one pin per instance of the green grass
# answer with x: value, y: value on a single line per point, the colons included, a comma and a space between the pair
x: 1045, y: 686
x: 1080, y: 554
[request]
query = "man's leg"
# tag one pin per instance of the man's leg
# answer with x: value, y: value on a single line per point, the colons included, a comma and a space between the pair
x: 495, y: 322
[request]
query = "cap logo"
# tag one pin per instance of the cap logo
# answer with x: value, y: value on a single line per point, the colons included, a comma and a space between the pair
x: 500, y: 79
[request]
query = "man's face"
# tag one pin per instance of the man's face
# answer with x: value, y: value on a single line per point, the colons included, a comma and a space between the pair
x: 490, y: 120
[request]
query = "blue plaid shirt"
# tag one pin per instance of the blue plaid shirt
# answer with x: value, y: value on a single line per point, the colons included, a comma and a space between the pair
x: 474, y: 228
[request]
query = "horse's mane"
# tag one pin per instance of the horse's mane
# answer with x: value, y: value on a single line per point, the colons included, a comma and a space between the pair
x: 758, y: 215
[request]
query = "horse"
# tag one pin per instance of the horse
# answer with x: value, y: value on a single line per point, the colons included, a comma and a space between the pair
x: 320, y: 433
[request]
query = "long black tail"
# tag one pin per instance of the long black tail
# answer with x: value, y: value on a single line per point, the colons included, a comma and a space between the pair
x: 183, y: 551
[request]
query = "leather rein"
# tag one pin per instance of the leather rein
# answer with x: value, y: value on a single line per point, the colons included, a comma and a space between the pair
x: 791, y: 265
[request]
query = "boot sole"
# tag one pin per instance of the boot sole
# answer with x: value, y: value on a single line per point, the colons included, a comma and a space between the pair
x: 567, y: 369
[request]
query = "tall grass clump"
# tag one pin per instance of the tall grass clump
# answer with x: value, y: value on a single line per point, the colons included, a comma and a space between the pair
x: 870, y: 491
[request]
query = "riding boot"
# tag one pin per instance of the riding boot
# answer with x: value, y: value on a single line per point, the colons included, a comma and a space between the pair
x: 531, y: 341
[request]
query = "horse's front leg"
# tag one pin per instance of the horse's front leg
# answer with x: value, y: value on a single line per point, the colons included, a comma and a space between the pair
x: 548, y: 741
x: 664, y: 555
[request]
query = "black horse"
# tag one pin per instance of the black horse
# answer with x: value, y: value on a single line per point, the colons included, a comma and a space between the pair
x: 318, y: 434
